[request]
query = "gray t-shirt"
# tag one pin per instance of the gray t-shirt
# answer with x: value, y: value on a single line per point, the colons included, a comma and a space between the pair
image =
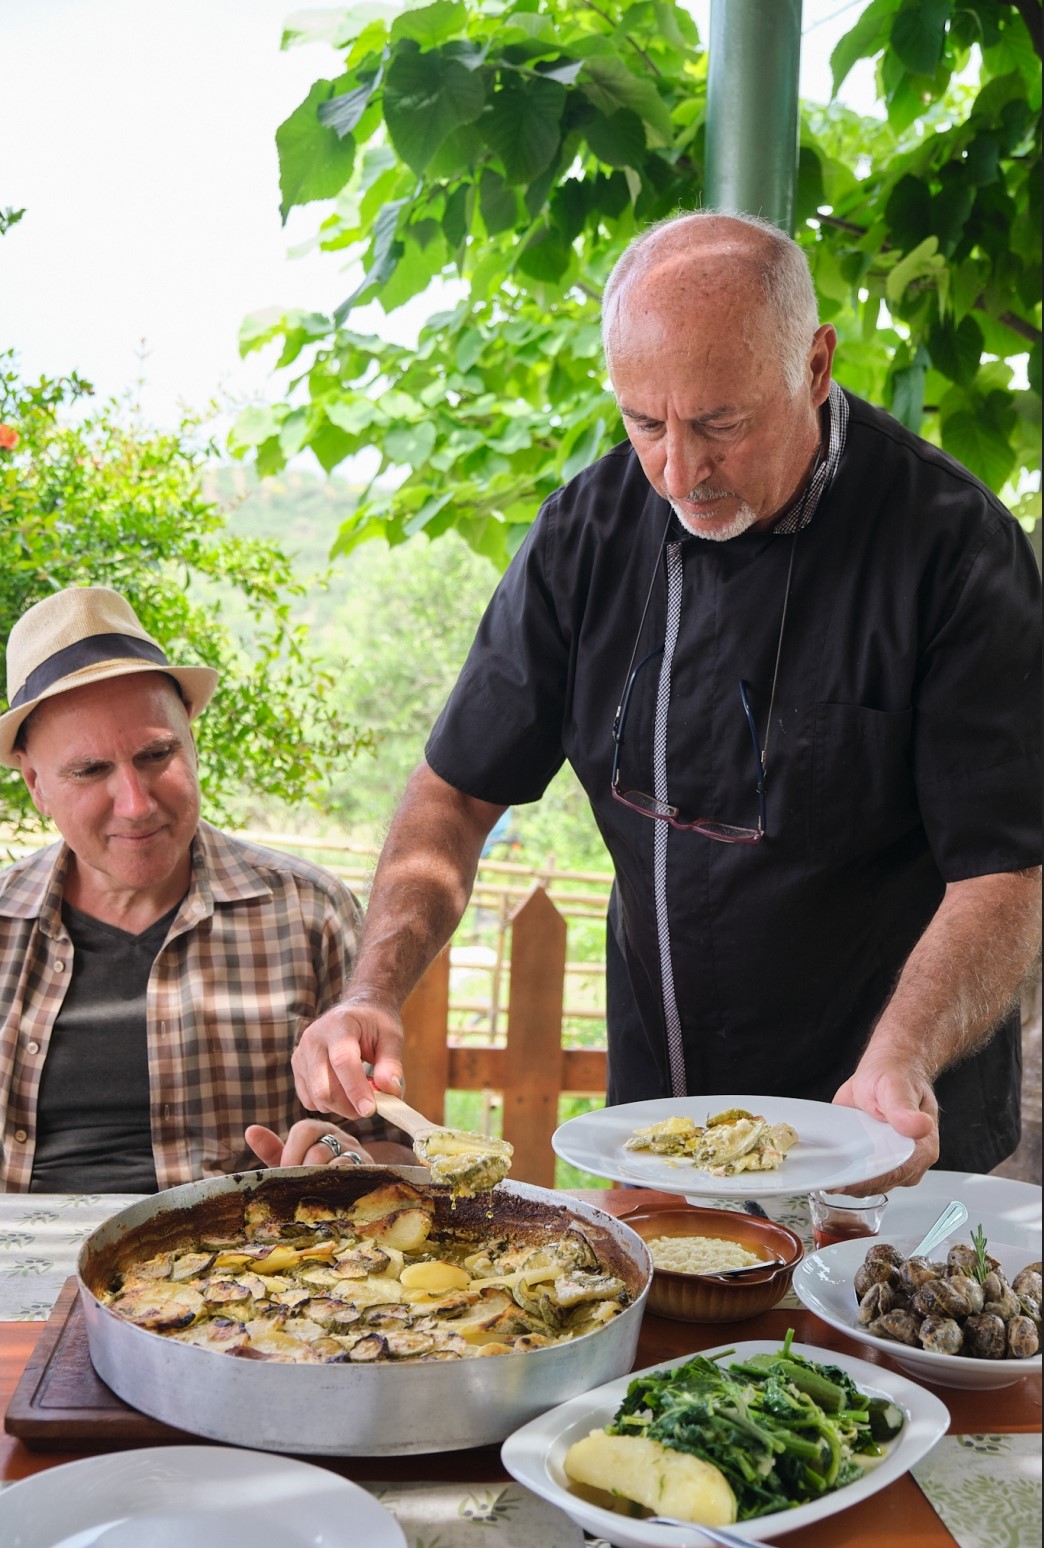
x: 93, y: 1128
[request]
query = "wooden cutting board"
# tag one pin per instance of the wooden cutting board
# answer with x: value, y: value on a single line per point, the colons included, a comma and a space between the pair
x: 60, y: 1400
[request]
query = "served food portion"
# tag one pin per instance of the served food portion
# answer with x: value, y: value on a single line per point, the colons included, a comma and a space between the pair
x: 467, y: 1163
x: 714, y: 1443
x: 964, y: 1306
x: 378, y: 1279
x: 730, y: 1142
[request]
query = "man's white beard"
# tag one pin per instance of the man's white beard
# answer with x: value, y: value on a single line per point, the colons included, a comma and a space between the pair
x: 742, y: 521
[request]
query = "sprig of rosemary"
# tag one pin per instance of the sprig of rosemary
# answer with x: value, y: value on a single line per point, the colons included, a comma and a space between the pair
x: 982, y: 1267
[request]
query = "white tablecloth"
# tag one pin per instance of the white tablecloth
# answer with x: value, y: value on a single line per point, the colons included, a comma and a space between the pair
x: 40, y: 1239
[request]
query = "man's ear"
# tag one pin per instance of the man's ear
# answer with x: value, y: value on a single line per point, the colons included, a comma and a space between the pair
x: 32, y: 782
x: 820, y: 362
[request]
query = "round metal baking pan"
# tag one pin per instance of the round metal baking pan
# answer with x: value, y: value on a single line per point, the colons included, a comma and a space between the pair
x: 380, y: 1409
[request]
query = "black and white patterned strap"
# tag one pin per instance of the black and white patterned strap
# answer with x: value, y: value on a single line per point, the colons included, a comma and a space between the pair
x: 661, y: 830
x: 794, y: 521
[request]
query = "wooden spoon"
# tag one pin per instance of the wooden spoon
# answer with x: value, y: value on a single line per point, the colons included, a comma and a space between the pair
x: 469, y: 1163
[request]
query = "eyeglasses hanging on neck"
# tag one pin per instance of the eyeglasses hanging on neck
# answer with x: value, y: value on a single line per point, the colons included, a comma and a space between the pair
x: 661, y: 810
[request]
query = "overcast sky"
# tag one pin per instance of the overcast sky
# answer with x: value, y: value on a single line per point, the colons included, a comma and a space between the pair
x: 139, y: 137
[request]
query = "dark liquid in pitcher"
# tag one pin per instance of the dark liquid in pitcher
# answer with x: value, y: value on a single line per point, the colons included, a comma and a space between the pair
x: 839, y: 1231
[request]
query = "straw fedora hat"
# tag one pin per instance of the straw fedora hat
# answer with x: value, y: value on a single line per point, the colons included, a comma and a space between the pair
x: 78, y: 636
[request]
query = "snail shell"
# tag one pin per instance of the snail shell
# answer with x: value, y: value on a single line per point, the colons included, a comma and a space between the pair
x: 1027, y: 1282
x: 942, y: 1335
x: 917, y: 1271
x: 903, y: 1326
x: 884, y: 1251
x: 942, y: 1298
x: 874, y: 1272
x: 1023, y: 1338
x: 880, y: 1298
x: 1006, y: 1305
x: 961, y: 1259
x: 1030, y: 1308
x: 985, y: 1336
x: 971, y: 1290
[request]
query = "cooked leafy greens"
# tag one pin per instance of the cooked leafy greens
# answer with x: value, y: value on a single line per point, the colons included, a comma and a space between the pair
x: 784, y: 1430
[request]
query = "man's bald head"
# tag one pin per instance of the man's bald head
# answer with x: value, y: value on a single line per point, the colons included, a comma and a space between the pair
x: 737, y: 263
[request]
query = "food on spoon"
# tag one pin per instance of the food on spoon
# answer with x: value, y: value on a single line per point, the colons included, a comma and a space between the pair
x: 468, y: 1163
x: 376, y: 1280
x: 731, y: 1142
x: 779, y: 1429
x: 666, y: 1482
x: 964, y: 1306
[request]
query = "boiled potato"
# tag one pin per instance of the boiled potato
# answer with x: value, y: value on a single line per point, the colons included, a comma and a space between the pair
x: 669, y: 1483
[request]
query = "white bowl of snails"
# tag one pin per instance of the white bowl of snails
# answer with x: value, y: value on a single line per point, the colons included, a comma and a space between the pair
x: 826, y: 1283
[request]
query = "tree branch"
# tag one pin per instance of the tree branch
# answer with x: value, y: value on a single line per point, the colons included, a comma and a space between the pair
x: 642, y: 55
x: 1017, y: 325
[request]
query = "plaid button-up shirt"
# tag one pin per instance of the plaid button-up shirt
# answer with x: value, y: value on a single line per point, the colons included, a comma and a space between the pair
x: 261, y: 944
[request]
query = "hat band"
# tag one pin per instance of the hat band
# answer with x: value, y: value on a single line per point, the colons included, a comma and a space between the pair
x: 92, y: 651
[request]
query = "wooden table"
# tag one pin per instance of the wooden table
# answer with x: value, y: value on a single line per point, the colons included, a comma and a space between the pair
x: 900, y: 1515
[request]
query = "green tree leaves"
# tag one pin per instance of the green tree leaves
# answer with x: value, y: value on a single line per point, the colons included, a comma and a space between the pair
x: 314, y: 161
x: 88, y: 497
x: 509, y: 149
x: 426, y: 97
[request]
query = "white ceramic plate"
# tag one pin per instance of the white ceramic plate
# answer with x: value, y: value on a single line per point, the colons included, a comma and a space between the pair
x: 823, y: 1282
x: 836, y: 1145
x: 173, y: 1496
x: 534, y: 1454
x: 1011, y: 1210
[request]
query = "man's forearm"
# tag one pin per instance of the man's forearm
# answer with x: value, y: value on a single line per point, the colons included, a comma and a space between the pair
x: 964, y: 972
x: 421, y: 887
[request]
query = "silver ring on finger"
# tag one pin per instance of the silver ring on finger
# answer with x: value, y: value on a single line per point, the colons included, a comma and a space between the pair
x: 332, y: 1144
x: 353, y: 1156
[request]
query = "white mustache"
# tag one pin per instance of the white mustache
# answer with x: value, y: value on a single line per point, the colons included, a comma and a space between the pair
x: 701, y: 494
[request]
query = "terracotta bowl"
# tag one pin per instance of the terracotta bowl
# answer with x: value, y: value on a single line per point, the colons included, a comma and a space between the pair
x: 702, y: 1298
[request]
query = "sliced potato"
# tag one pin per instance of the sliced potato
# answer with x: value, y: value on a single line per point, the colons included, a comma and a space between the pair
x: 406, y: 1229
x: 388, y: 1198
x: 368, y: 1292
x: 435, y: 1277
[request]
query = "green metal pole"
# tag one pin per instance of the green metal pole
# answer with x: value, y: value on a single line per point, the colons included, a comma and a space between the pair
x: 752, y: 108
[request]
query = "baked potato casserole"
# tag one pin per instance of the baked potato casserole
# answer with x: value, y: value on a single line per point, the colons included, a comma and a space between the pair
x: 382, y: 1278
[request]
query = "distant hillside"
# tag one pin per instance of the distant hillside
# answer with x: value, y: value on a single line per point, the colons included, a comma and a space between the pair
x: 394, y: 626
x: 299, y: 511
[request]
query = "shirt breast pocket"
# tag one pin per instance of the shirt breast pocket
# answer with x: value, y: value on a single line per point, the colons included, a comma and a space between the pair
x: 863, y: 792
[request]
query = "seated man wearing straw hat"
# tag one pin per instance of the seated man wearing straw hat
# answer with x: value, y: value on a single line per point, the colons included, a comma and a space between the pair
x: 154, y: 972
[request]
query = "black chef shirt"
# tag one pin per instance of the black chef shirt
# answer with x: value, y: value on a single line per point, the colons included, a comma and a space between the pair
x: 903, y: 754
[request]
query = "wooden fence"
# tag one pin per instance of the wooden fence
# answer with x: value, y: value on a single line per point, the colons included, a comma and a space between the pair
x: 530, y: 1067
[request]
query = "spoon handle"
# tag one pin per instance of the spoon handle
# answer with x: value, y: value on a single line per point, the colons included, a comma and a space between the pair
x: 951, y: 1219
x: 395, y: 1111
x: 705, y: 1533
